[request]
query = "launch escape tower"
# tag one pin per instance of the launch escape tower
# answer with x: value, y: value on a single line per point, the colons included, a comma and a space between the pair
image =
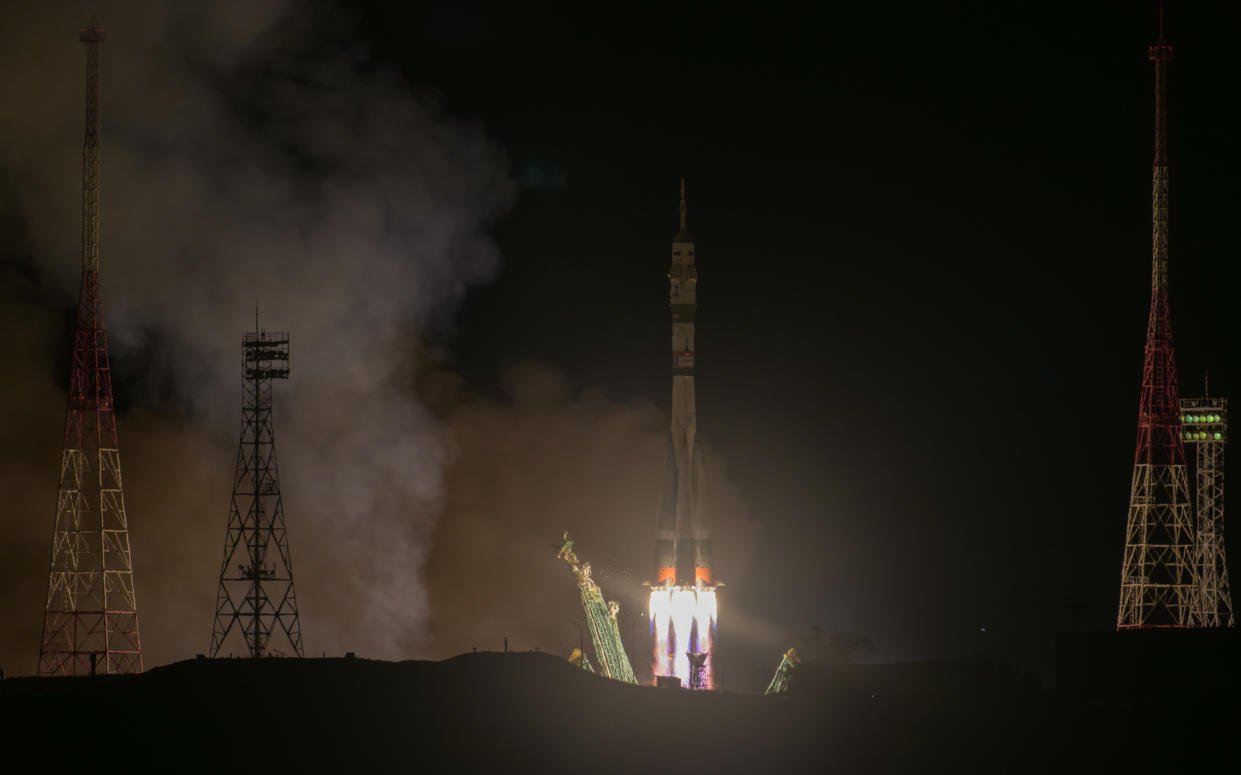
x: 683, y: 601
x: 1158, y: 580
x: 1205, y: 423
x: 256, y: 598
x: 90, y: 621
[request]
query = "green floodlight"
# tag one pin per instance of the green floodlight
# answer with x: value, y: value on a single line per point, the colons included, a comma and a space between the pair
x: 1219, y: 436
x: 1215, y: 418
x: 1192, y: 418
x: 1202, y: 434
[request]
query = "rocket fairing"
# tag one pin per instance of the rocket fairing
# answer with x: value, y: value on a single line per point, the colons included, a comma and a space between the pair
x: 682, y: 538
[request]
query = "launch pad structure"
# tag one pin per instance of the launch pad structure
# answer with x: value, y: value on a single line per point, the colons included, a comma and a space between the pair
x: 783, y: 676
x: 256, y: 598
x: 90, y: 621
x: 600, y: 620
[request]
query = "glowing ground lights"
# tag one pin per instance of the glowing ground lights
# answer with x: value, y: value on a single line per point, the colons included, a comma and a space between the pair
x: 683, y: 622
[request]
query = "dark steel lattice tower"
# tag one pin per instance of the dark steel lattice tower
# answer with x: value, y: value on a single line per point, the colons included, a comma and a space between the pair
x: 256, y: 598
x: 90, y: 621
x: 1158, y: 581
x: 1206, y: 431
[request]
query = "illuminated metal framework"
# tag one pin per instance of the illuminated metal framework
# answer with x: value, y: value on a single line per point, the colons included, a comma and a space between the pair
x: 1158, y: 581
x: 1205, y: 423
x: 90, y: 621
x: 256, y: 598
x: 600, y: 620
x: 783, y: 678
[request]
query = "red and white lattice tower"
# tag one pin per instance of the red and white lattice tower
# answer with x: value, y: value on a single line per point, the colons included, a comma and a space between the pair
x: 1158, y: 581
x: 91, y: 618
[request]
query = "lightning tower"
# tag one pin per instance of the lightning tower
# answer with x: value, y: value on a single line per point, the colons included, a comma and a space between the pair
x: 256, y: 597
x: 1205, y: 421
x: 90, y: 621
x: 1158, y: 580
x: 683, y: 596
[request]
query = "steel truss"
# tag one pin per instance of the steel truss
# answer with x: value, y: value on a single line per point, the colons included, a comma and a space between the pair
x: 90, y: 621
x: 1158, y: 581
x: 256, y: 597
x: 1205, y: 423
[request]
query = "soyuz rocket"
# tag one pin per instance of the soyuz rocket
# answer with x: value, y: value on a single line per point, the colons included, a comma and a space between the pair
x: 682, y: 539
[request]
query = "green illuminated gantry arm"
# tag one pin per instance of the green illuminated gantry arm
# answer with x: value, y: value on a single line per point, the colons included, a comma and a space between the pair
x: 784, y: 673
x: 610, y: 653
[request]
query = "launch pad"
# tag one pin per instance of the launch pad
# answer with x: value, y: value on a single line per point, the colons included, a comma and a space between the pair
x: 684, y: 623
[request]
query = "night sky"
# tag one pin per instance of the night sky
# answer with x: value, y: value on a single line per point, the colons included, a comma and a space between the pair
x: 923, y: 244
x: 923, y: 239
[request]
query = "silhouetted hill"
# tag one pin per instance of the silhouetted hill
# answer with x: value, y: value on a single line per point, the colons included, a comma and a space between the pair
x: 534, y: 712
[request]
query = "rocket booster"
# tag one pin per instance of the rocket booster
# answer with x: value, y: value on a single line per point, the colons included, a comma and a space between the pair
x: 682, y: 539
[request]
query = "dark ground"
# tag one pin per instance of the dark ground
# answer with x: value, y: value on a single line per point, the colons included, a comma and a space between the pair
x: 533, y: 712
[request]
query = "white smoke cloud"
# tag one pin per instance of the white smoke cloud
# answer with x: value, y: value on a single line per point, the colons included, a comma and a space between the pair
x: 245, y: 159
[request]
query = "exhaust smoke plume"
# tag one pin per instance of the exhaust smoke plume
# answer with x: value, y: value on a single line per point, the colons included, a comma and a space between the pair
x: 541, y: 460
x: 246, y: 159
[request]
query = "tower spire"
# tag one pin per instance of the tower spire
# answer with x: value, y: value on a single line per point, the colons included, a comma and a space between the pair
x: 92, y: 36
x: 683, y: 208
x: 90, y: 621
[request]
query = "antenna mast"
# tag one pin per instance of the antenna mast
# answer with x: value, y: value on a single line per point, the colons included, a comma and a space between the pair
x: 90, y: 621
